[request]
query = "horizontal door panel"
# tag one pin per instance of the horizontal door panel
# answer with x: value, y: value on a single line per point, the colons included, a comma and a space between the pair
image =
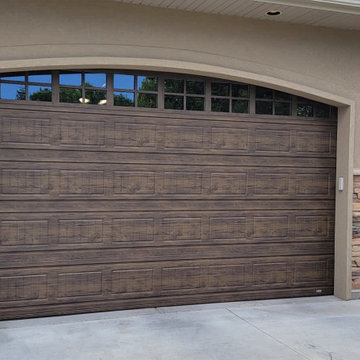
x: 166, y: 134
x: 28, y: 180
x: 83, y: 230
x: 170, y: 253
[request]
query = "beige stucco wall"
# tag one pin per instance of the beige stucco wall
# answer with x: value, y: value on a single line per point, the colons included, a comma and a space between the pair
x: 320, y: 63
x: 48, y: 33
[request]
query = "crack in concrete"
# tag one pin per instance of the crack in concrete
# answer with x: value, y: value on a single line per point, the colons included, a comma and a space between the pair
x: 267, y: 334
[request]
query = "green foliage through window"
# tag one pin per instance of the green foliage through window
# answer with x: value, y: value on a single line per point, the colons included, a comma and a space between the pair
x: 147, y: 100
x: 124, y: 99
x: 69, y: 95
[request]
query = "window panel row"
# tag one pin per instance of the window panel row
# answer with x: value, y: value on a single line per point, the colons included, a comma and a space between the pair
x: 155, y: 91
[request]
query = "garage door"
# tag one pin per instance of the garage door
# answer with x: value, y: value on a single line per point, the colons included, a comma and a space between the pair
x: 149, y: 201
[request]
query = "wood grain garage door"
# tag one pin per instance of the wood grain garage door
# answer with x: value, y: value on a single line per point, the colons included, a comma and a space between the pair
x: 112, y: 209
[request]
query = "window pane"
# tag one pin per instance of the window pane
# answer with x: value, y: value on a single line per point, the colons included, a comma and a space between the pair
x: 264, y: 107
x: 240, y: 106
x: 195, y: 103
x: 68, y: 95
x: 195, y: 87
x: 333, y: 112
x: 322, y: 110
x: 147, y: 83
x: 220, y: 105
x: 282, y: 108
x: 220, y: 89
x: 147, y: 100
x: 282, y: 96
x: 95, y: 80
x: 44, y: 78
x: 125, y: 82
x: 174, y: 102
x: 124, y: 99
x: 95, y: 97
x: 305, y: 108
x: 12, y: 91
x: 174, y: 86
x: 240, y: 90
x: 70, y: 79
x: 13, y: 78
x: 263, y: 93
x: 39, y: 93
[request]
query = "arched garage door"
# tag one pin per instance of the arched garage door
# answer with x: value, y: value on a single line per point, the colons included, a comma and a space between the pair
x: 123, y: 190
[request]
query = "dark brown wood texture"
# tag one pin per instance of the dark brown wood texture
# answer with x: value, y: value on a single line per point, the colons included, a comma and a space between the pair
x: 109, y: 209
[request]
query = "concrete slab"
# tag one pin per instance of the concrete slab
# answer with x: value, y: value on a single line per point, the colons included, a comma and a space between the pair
x: 291, y: 329
x: 315, y: 330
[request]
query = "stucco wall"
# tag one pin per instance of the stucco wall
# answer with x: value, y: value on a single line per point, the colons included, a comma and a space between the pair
x: 320, y: 63
x: 48, y: 33
x: 321, y: 58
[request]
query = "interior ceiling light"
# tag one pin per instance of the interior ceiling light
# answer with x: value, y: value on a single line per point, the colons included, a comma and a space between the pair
x: 273, y: 13
x: 84, y: 101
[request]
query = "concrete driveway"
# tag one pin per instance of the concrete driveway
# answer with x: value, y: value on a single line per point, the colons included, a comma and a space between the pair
x: 291, y: 329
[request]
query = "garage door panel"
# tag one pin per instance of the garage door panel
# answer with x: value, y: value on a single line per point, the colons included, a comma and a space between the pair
x: 56, y: 231
x: 24, y: 287
x: 218, y: 169
x: 159, y: 205
x: 137, y: 152
x: 123, y: 255
x: 33, y: 131
x: 142, y: 133
x: 65, y: 180
x: 110, y: 282
x: 93, y: 157
x: 110, y: 305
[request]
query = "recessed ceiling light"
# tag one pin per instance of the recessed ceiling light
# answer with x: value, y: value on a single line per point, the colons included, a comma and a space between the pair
x: 273, y: 13
x: 84, y: 101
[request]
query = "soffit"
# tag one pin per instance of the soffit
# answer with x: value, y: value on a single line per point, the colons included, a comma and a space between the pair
x: 343, y: 14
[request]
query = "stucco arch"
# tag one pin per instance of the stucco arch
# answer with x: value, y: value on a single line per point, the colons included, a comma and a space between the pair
x: 187, y: 67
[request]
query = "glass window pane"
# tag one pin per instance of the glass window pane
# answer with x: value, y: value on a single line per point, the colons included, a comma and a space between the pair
x: 240, y: 106
x: 333, y: 112
x: 147, y: 100
x: 41, y: 78
x: 282, y: 108
x: 195, y: 103
x: 304, y: 100
x: 263, y: 93
x: 39, y: 93
x: 305, y: 108
x: 12, y: 91
x: 13, y: 78
x: 240, y: 90
x: 70, y: 79
x: 125, y: 82
x: 69, y: 95
x: 174, y: 86
x: 220, y: 105
x: 147, y: 83
x: 322, y: 110
x: 264, y: 107
x: 279, y: 95
x: 195, y: 87
x: 95, y: 97
x: 220, y: 89
x: 124, y: 99
x: 174, y: 102
x: 95, y: 80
